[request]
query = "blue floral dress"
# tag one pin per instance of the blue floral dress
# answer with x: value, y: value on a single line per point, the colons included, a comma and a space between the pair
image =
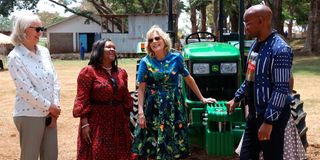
x: 166, y: 134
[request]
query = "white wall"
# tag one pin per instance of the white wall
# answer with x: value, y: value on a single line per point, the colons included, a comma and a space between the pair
x: 125, y: 42
x: 138, y: 27
x: 75, y: 24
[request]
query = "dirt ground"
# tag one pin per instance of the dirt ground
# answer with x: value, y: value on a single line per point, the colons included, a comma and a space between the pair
x: 307, y: 86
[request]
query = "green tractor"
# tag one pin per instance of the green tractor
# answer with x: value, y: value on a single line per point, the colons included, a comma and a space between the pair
x: 218, y: 69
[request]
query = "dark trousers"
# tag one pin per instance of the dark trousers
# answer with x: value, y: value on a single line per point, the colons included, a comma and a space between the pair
x: 273, y: 148
x: 82, y: 55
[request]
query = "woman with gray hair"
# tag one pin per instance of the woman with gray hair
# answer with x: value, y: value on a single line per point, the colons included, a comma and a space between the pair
x: 162, y: 132
x: 37, y: 91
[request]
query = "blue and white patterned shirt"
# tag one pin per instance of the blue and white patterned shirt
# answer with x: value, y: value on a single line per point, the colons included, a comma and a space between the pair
x: 35, y: 79
x: 271, y: 78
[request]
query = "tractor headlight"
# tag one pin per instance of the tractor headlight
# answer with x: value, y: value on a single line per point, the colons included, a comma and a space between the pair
x: 201, y: 68
x: 228, y: 68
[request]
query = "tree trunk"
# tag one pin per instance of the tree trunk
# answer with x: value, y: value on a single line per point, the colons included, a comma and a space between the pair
x: 193, y: 19
x: 176, y: 12
x: 234, y: 19
x: 277, y: 16
x: 203, y: 10
x: 313, y: 35
x: 215, y: 18
x: 289, y: 32
x: 276, y: 8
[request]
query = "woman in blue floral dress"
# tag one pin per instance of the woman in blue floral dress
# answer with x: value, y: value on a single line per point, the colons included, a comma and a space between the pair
x: 161, y: 132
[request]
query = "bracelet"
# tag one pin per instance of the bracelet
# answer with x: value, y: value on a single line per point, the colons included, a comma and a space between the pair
x: 140, y: 115
x: 84, y: 125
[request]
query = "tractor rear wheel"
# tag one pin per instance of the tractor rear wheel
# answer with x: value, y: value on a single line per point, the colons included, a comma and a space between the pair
x: 299, y: 117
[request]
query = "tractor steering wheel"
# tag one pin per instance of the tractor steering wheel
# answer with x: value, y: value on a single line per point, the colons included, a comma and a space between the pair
x: 200, y: 37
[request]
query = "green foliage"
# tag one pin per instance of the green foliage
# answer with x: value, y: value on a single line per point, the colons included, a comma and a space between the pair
x: 230, y: 7
x: 7, y: 6
x: 299, y: 11
x: 292, y: 9
x: 199, y: 3
x: 5, y: 24
x: 48, y: 18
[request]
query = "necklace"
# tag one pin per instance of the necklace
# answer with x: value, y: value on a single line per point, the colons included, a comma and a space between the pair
x: 107, y: 68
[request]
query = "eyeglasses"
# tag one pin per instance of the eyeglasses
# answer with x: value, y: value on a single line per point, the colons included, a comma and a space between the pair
x: 157, y: 38
x: 38, y: 29
x: 114, y: 83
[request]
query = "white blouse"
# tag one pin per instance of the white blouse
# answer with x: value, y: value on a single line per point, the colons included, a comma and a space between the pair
x: 36, y: 82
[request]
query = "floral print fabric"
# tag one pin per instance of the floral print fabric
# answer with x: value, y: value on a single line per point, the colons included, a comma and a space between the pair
x: 166, y: 134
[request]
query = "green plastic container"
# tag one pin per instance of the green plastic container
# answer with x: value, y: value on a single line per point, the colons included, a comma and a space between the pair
x: 219, y: 143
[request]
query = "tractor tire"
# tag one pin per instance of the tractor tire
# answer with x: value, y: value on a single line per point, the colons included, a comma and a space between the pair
x: 134, y: 113
x: 299, y: 117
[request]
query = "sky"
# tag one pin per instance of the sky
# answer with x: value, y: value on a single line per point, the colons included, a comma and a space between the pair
x: 45, y: 5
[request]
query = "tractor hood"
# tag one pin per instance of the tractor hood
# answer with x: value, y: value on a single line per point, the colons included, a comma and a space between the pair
x: 210, y: 50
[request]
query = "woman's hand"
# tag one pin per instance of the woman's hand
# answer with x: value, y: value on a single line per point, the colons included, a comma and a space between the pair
x: 142, y: 120
x: 53, y: 122
x: 85, y: 132
x: 208, y: 100
x: 54, y: 110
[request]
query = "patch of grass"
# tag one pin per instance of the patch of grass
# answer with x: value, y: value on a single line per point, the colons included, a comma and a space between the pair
x: 71, y: 68
x: 306, y: 65
x: 297, y: 44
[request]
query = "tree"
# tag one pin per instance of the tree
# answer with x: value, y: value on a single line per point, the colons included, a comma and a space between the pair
x: 48, y: 18
x: 298, y: 12
x: 313, y: 35
x: 91, y: 8
x: 112, y: 7
x: 200, y: 5
x: 277, y: 18
x: 7, y: 6
x: 193, y: 18
x: 5, y: 24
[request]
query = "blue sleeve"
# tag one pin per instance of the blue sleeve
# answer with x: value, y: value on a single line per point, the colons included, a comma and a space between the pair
x: 280, y: 77
x: 239, y: 95
x: 182, y: 67
x: 142, y: 74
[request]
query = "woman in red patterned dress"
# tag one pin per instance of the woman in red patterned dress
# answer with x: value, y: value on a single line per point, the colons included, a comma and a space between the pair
x: 103, y: 104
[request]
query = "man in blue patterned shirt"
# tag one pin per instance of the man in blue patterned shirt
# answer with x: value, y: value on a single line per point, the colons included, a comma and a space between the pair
x: 266, y: 87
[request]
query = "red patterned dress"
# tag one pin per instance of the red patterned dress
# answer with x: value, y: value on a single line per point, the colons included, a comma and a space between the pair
x: 105, y: 100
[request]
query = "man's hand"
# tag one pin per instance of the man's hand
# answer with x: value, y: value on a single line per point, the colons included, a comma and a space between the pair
x: 231, y: 105
x: 264, y: 132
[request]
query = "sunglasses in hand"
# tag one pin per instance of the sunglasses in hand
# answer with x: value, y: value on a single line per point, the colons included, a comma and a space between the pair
x: 114, y: 84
